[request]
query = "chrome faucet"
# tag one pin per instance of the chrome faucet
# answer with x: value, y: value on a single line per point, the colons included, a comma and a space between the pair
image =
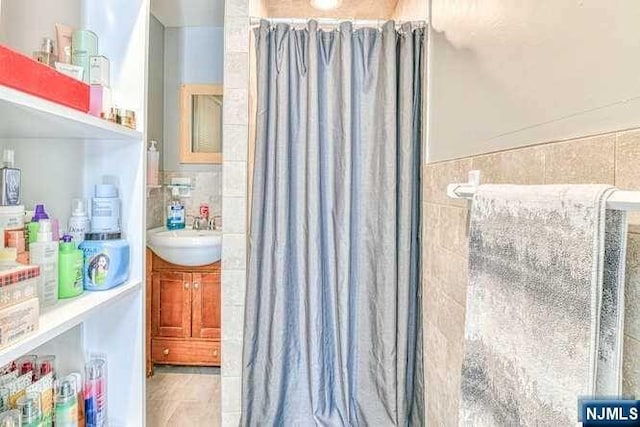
x: 198, y: 223
x: 215, y: 223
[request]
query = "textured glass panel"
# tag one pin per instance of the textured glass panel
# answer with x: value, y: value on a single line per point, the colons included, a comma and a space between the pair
x: 206, y: 123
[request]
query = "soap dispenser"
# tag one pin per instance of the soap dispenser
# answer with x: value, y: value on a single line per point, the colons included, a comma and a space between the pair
x: 153, y: 163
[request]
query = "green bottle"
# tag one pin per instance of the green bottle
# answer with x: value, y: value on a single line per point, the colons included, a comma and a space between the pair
x: 70, y: 269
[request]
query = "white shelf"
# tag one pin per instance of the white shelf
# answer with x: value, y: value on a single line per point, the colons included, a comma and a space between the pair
x: 27, y: 116
x: 65, y: 315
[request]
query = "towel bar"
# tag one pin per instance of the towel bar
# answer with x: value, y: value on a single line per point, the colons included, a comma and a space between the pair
x: 618, y: 200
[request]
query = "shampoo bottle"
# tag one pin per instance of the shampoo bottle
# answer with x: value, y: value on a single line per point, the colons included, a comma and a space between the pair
x: 10, y: 180
x: 71, y: 261
x: 153, y: 163
x: 79, y: 223
x: 44, y: 252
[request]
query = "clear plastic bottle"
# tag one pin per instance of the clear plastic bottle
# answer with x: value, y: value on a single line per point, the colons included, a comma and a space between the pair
x: 153, y: 163
x: 44, y: 252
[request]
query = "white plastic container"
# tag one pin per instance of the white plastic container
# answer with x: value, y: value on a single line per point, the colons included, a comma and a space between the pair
x: 153, y: 163
x: 105, y: 209
x: 79, y: 223
x: 12, y: 217
x: 44, y: 253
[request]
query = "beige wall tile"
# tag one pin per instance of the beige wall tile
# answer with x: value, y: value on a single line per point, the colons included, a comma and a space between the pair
x: 581, y: 161
x: 438, y: 175
x: 453, y: 270
x: 524, y: 166
x: 453, y: 230
x: 232, y: 360
x: 234, y: 212
x: 236, y: 142
x: 237, y: 34
x: 234, y: 179
x: 231, y: 397
x: 234, y: 251
x: 236, y: 70
x: 446, y: 314
x: 631, y: 367
x: 236, y: 107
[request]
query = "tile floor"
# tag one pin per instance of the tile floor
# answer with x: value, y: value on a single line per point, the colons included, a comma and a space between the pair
x: 183, y: 396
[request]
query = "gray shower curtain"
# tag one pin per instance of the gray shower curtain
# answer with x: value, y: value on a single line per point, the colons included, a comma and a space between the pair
x: 333, y: 306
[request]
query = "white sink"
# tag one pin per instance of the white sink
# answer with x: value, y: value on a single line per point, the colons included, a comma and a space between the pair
x: 186, y: 247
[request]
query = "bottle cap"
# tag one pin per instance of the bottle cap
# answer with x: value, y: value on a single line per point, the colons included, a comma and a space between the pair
x: 8, y: 157
x: 67, y: 390
x: 106, y: 190
x: 78, y: 208
x: 30, y: 408
x: 66, y: 244
x: 39, y: 214
x: 152, y: 145
x: 44, y: 231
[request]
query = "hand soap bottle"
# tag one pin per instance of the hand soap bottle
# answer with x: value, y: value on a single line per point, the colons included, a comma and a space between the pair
x: 44, y: 253
x: 175, y: 212
x: 153, y: 163
x: 10, y: 180
x: 70, y: 274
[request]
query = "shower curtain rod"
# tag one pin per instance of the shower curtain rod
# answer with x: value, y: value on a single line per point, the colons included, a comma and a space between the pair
x: 331, y: 22
x: 619, y: 200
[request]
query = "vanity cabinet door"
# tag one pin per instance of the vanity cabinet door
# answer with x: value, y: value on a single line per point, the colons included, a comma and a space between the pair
x: 171, y: 299
x: 206, y: 305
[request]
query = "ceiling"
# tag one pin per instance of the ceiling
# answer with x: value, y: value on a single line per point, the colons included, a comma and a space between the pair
x: 189, y: 13
x: 357, y: 9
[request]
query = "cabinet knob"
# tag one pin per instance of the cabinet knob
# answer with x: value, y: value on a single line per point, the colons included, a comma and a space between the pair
x: 165, y: 351
x: 186, y: 285
x: 215, y: 352
x: 196, y: 285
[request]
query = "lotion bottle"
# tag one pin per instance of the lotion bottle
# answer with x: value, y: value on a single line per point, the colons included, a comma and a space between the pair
x: 153, y: 163
x: 44, y: 253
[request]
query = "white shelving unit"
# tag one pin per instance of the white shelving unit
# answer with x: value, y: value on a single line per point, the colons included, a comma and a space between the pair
x: 63, y: 153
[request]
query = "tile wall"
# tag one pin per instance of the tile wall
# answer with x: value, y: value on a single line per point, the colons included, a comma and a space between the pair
x: 610, y: 159
x: 207, y: 188
x: 234, y: 206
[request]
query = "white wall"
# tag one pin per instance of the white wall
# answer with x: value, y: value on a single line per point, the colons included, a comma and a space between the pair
x: 155, y: 102
x: 507, y: 73
x: 192, y: 55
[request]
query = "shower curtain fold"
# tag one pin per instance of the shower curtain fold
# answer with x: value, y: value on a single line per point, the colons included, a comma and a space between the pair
x: 333, y: 304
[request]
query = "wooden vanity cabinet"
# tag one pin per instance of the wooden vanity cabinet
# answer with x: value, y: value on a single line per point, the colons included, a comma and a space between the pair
x: 185, y: 314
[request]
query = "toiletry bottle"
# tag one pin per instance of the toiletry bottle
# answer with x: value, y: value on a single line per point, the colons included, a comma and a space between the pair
x: 175, y: 212
x: 79, y: 223
x: 77, y: 378
x: 84, y: 44
x: 105, y: 209
x: 70, y: 274
x: 32, y: 227
x: 153, y: 163
x: 31, y: 410
x: 10, y: 180
x: 204, y: 212
x: 45, y: 54
x: 66, y: 414
x: 44, y: 253
x: 95, y: 393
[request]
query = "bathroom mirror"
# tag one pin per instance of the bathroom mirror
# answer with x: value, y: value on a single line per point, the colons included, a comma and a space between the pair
x: 201, y: 123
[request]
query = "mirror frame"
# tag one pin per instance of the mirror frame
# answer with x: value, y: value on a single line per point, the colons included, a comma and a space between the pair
x: 187, y: 155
